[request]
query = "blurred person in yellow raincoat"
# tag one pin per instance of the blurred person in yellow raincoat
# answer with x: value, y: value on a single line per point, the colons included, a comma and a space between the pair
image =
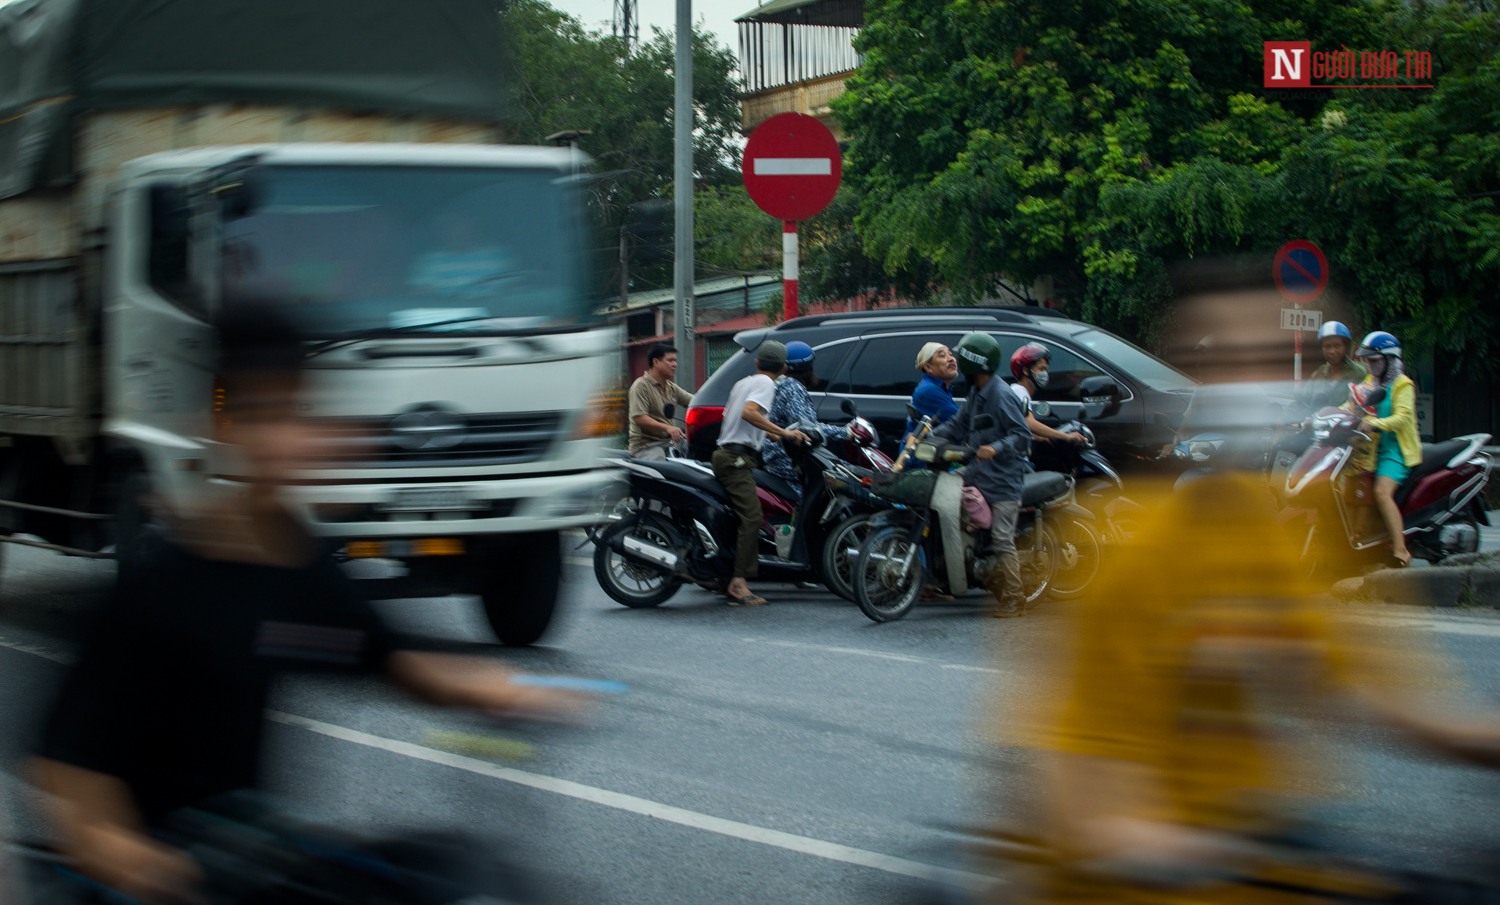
x: 1173, y: 743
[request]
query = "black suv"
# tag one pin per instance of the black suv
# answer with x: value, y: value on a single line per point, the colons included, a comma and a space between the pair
x: 869, y: 357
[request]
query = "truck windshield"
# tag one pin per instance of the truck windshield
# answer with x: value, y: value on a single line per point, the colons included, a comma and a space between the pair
x: 367, y: 248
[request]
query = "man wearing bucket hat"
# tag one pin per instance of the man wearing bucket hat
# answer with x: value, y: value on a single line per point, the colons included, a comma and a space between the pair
x: 934, y: 393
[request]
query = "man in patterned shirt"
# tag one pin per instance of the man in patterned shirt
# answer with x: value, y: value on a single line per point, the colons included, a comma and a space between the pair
x: 792, y: 404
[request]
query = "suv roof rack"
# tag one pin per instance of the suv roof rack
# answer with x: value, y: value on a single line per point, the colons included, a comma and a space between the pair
x: 1008, y: 313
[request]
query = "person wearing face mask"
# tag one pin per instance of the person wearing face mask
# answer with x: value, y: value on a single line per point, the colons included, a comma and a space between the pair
x: 1029, y: 365
x: 1393, y: 424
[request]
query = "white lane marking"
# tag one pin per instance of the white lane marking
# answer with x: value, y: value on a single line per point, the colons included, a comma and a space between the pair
x: 36, y: 651
x: 793, y: 166
x: 882, y: 655
x: 807, y: 845
x: 1447, y: 626
x: 856, y: 651
x: 578, y: 561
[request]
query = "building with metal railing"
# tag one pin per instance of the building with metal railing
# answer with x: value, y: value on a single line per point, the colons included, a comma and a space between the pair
x: 795, y: 56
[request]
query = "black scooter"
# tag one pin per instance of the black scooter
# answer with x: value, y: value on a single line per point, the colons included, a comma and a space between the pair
x: 1109, y: 518
x: 679, y: 526
x: 922, y: 538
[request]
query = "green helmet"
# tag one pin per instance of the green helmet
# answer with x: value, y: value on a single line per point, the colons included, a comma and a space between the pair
x: 978, y: 353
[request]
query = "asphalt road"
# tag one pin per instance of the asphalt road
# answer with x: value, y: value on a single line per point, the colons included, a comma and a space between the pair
x: 791, y: 753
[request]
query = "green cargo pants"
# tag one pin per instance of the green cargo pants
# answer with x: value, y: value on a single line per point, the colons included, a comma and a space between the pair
x: 732, y: 468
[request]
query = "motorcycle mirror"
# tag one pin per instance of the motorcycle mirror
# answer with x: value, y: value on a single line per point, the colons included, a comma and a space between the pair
x: 926, y: 452
x: 1375, y: 396
x: 1041, y: 409
x: 983, y: 422
x: 912, y: 411
x: 669, y: 410
x: 1319, y: 401
x: 847, y: 407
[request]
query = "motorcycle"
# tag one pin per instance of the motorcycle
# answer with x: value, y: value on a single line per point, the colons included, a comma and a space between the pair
x: 1109, y: 518
x: 1441, y: 500
x: 903, y: 553
x: 677, y: 525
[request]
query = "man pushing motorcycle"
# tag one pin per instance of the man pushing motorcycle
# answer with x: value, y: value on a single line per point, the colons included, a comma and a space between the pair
x: 1000, y: 469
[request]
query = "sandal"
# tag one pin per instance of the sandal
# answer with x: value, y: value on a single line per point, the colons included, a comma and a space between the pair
x: 1402, y: 563
x: 748, y: 600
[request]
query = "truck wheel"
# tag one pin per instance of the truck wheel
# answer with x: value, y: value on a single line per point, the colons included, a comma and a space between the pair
x: 139, y: 531
x: 520, y: 590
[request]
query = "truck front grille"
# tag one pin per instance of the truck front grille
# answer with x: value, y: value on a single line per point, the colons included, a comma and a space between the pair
x: 485, y: 439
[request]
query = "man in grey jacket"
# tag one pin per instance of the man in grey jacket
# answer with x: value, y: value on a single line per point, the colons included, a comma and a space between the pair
x: 1001, y: 452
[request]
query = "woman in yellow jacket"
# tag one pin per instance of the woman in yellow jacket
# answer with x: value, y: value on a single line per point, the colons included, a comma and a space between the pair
x: 1398, y: 449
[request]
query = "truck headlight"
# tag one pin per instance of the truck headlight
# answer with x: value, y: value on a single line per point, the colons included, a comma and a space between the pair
x: 604, y: 416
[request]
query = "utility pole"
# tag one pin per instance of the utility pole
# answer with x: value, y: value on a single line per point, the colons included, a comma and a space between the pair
x: 682, y: 156
x: 626, y: 23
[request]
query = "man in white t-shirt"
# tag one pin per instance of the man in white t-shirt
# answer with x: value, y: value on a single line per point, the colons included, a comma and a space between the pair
x: 745, y: 426
x: 1028, y: 365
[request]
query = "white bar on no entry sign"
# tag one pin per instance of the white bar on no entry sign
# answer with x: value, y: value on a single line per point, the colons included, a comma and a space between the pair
x: 793, y: 166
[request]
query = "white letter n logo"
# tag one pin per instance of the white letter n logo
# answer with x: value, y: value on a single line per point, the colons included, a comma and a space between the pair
x: 1291, y: 65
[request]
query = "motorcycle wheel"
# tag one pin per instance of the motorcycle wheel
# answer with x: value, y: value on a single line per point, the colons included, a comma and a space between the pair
x: 1079, y: 557
x: 633, y: 583
x: 882, y: 589
x: 841, y: 551
x: 1038, y: 552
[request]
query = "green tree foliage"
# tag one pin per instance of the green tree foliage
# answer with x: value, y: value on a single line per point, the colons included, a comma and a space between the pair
x: 567, y: 77
x: 1099, y: 141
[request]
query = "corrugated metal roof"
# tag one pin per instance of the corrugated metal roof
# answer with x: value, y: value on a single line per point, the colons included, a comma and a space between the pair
x: 841, y: 13
x: 721, y: 293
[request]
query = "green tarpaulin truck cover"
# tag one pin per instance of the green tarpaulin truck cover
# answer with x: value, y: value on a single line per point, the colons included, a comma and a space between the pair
x: 441, y: 58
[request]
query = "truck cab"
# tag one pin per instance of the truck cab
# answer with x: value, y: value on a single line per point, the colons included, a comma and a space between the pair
x: 458, y: 381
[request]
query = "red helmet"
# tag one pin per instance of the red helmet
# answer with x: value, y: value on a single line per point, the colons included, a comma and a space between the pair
x: 1025, y: 357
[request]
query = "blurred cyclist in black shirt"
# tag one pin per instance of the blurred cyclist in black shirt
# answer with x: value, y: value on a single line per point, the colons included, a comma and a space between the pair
x: 165, y: 706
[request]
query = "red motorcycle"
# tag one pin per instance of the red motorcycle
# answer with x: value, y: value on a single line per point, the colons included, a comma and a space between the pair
x: 1441, y: 501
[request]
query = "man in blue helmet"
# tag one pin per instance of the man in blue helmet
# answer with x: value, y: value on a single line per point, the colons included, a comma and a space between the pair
x: 1338, y: 370
x: 791, y: 405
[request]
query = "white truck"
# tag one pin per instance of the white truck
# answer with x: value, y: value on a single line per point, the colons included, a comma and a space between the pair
x: 442, y: 280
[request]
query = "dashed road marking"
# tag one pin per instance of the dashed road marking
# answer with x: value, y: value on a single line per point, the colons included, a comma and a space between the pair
x: 806, y: 845
x: 877, y: 654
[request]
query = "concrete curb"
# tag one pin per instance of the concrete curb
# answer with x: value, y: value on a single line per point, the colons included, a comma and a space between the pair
x: 1466, y: 580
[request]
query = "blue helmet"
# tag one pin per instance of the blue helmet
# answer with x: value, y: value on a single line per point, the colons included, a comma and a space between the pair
x: 1379, y: 343
x: 799, y: 356
x: 1334, y: 328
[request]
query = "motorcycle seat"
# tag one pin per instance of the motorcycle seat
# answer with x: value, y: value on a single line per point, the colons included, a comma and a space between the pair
x: 1039, y: 486
x: 774, y: 484
x: 690, y: 475
x: 1435, y: 456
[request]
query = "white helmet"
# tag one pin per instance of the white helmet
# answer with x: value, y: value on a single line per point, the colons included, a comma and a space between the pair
x: 1334, y: 328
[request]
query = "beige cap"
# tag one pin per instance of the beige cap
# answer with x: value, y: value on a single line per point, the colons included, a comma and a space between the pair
x: 929, y: 350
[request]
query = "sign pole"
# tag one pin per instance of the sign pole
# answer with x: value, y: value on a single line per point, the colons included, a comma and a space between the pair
x: 788, y: 269
x: 684, y: 336
x: 1297, y: 355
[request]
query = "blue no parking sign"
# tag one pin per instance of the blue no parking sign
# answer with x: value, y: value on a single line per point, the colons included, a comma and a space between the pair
x: 1301, y: 271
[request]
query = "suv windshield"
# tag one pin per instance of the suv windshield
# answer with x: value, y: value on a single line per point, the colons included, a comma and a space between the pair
x: 367, y: 248
x: 1135, y: 361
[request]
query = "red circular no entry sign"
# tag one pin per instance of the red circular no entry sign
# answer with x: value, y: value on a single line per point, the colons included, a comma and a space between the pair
x: 792, y: 166
x: 1301, y: 271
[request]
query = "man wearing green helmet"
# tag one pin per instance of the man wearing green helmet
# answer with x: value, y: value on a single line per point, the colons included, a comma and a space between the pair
x: 1001, y: 467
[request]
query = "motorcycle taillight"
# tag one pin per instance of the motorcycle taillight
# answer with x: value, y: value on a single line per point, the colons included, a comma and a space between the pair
x: 701, y: 416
